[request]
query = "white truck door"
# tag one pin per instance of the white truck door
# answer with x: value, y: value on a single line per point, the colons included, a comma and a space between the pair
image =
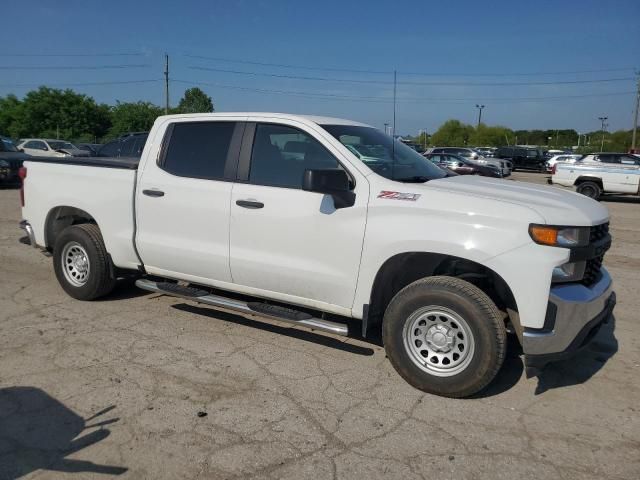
x: 183, y: 198
x: 620, y: 172
x: 287, y: 241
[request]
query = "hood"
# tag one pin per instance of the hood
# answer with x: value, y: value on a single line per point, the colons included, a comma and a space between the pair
x: 556, y: 206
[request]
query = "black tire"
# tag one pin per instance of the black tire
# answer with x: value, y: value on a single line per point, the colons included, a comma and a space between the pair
x: 590, y: 189
x: 99, y: 281
x: 481, y: 316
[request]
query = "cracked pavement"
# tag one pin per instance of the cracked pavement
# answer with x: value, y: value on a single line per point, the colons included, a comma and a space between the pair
x: 147, y: 386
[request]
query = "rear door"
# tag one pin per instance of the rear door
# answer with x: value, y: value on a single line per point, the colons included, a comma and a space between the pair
x: 183, y: 199
x: 620, y: 172
x: 286, y: 241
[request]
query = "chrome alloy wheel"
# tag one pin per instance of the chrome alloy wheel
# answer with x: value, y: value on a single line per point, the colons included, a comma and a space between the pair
x: 75, y: 264
x: 438, y: 341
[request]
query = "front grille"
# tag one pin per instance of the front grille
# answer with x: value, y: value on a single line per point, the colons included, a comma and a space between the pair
x: 593, y: 266
x: 598, y: 232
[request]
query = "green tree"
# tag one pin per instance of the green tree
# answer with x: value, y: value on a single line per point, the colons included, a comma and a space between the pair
x: 48, y: 112
x: 133, y: 117
x: 486, y: 136
x: 195, y: 101
x: 452, y: 133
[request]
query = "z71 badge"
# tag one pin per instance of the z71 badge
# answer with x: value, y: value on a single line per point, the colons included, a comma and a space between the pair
x: 412, y: 197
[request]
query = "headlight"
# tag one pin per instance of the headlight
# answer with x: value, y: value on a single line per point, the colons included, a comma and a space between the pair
x: 4, y: 163
x: 554, y: 236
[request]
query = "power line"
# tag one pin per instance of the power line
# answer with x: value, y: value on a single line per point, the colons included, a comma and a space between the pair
x: 380, y: 99
x: 389, y: 72
x: 281, y: 65
x: 19, y: 55
x: 77, y: 84
x: 73, y: 67
x: 384, y: 82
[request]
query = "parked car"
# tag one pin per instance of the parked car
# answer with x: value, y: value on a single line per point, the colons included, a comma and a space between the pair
x: 503, y: 165
x: 523, y: 157
x: 434, y: 264
x: 462, y: 166
x: 566, y: 158
x: 11, y: 159
x: 45, y: 147
x: 600, y: 173
x: 127, y: 145
x: 486, y: 152
x: 90, y: 148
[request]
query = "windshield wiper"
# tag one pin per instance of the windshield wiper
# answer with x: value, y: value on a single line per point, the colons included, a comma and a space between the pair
x: 414, y: 179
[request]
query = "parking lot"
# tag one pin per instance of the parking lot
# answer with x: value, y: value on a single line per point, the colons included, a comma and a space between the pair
x: 147, y: 386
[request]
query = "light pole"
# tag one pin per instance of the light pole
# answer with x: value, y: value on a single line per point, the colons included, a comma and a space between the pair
x: 602, y: 120
x: 386, y: 128
x: 479, y: 107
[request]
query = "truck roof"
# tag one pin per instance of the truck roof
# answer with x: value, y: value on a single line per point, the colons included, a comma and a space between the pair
x: 320, y: 120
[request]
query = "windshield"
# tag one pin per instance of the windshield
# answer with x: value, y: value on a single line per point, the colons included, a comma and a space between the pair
x: 390, y: 159
x: 61, y: 145
x: 6, y: 145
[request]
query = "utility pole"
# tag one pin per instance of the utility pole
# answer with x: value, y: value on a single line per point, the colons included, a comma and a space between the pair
x: 166, y: 84
x: 635, y: 118
x: 425, y: 139
x: 395, y: 82
x: 579, y: 135
x: 602, y: 120
x: 479, y: 107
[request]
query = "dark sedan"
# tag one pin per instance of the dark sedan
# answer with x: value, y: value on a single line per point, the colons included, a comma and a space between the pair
x: 462, y: 166
x: 10, y: 162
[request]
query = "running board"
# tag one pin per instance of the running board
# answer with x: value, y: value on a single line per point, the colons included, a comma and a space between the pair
x: 253, y: 310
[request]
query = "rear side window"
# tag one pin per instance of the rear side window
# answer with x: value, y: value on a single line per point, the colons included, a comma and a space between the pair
x: 198, y: 149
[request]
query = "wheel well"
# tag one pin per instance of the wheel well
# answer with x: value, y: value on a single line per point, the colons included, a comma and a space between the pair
x: 403, y: 269
x: 597, y: 181
x: 60, y: 218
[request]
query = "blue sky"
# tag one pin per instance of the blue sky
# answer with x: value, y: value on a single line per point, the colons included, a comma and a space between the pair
x: 459, y: 42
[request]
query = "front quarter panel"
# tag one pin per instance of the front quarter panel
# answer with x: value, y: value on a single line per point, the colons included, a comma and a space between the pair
x: 474, y: 228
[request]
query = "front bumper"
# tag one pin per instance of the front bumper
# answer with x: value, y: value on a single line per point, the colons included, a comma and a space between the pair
x: 575, y: 313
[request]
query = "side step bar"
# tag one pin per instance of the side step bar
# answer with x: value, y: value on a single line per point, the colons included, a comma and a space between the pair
x: 253, y: 310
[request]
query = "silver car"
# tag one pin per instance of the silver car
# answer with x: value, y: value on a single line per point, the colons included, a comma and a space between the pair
x: 504, y: 166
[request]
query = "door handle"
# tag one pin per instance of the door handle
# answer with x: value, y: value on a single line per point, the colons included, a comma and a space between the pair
x: 153, y: 193
x: 249, y: 204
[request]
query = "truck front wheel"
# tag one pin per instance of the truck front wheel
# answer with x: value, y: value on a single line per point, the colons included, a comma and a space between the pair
x: 81, y: 262
x: 444, y: 336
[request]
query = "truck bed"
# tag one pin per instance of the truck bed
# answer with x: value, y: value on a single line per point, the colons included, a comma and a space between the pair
x: 101, y: 187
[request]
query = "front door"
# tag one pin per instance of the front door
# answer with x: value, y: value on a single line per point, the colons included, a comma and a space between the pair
x: 291, y: 242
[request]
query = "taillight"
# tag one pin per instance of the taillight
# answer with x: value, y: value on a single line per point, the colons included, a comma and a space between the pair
x: 553, y: 169
x: 22, y: 173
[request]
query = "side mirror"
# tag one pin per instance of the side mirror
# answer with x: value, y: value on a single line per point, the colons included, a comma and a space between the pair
x: 334, y: 182
x: 460, y: 164
x: 21, y: 150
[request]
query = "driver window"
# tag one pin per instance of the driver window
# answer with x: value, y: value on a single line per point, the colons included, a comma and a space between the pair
x: 281, y: 154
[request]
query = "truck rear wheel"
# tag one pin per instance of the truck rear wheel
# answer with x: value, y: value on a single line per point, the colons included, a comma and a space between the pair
x: 589, y: 189
x: 444, y: 336
x: 81, y: 262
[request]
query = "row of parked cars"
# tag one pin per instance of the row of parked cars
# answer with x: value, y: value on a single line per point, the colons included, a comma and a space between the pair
x: 504, y: 158
x: 12, y: 154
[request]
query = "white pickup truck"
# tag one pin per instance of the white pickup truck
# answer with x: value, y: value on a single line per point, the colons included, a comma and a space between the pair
x: 600, y: 173
x: 277, y: 214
